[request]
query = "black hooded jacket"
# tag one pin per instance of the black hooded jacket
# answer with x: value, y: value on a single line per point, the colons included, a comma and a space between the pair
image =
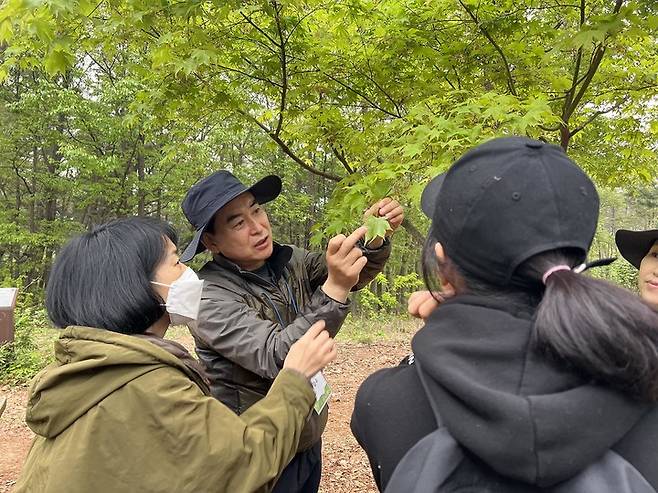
x: 528, y: 422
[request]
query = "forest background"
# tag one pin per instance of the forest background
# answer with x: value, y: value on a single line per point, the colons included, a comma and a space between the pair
x: 116, y: 107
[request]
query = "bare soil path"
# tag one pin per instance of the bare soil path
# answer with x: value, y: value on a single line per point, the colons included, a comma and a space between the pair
x: 345, y: 467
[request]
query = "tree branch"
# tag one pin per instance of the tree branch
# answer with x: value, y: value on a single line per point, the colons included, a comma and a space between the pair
x: 596, y: 114
x: 510, y: 80
x: 371, y: 78
x: 260, y: 30
x: 589, y: 120
x: 591, y: 71
x: 341, y: 157
x: 413, y: 231
x: 284, y: 68
x: 576, y: 72
x: 286, y: 149
x: 18, y: 174
x: 301, y: 19
x: 360, y: 94
x: 250, y: 76
x: 254, y: 41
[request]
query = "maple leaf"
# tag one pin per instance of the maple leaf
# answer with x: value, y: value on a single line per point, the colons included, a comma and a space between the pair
x: 377, y: 228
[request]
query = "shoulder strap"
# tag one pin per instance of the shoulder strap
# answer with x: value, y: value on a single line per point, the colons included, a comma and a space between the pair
x: 430, y: 462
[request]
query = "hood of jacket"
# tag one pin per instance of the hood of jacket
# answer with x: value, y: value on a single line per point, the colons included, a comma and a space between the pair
x: 90, y: 364
x: 526, y: 417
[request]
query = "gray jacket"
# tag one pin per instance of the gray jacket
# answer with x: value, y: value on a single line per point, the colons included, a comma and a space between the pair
x: 247, y: 324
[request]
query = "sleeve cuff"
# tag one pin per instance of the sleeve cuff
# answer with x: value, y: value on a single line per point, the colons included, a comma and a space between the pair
x: 291, y: 379
x: 346, y: 304
x: 366, y: 250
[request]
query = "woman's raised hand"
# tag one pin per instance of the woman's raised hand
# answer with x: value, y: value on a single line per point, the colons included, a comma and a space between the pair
x: 422, y: 303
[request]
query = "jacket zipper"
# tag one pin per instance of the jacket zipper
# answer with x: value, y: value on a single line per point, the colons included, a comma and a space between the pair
x: 291, y: 298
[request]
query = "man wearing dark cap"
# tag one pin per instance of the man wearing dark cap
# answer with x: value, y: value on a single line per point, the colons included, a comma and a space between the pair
x: 259, y: 297
x: 640, y: 248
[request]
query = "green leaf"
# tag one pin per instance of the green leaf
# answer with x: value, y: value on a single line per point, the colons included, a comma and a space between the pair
x: 377, y: 228
x: 57, y: 61
x: 652, y: 22
x: 161, y: 56
x: 6, y: 31
x: 43, y: 28
x: 588, y: 36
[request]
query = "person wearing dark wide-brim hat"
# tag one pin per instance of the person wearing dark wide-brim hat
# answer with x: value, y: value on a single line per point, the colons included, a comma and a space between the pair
x: 640, y: 248
x: 259, y: 297
x: 531, y: 377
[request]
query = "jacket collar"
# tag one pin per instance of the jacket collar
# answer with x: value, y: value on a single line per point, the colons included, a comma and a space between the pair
x: 281, y: 255
x: 195, y: 369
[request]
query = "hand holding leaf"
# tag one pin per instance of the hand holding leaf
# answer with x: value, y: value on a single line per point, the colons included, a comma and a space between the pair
x: 382, y: 219
x: 377, y: 228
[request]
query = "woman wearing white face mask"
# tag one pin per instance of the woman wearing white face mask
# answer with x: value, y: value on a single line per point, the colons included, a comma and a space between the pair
x: 123, y: 409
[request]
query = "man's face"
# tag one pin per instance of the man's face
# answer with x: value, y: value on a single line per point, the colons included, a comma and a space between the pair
x: 242, y: 233
x: 648, y: 278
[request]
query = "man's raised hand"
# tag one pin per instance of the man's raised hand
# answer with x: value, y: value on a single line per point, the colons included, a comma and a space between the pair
x: 344, y: 264
x: 389, y: 209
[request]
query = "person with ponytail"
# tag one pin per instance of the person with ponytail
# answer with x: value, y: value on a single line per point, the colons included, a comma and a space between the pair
x: 532, y: 376
x: 640, y: 248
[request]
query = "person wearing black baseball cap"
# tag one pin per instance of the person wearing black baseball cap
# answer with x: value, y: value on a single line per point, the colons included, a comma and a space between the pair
x: 259, y: 297
x: 531, y: 376
x: 640, y: 248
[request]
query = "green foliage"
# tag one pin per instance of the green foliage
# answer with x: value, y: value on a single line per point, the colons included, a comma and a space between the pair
x: 31, y: 350
x: 383, y: 296
x: 621, y: 273
x: 116, y: 108
x: 378, y: 328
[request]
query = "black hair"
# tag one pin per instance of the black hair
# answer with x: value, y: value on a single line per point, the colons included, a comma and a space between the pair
x: 601, y: 331
x: 102, y: 279
x: 467, y: 282
x: 210, y: 227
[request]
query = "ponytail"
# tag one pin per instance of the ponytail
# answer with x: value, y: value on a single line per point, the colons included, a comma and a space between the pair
x: 599, y: 330
x: 602, y: 331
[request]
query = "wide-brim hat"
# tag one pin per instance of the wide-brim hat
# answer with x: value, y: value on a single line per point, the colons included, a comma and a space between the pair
x: 634, y: 245
x: 209, y: 195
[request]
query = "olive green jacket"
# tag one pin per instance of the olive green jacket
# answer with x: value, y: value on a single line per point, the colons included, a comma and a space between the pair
x: 116, y: 413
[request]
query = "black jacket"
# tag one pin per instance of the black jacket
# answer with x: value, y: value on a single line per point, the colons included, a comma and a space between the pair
x: 247, y: 323
x: 528, y: 421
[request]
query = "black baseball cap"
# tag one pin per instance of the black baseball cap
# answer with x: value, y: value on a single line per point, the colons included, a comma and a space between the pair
x: 509, y: 199
x: 209, y: 195
x: 634, y: 245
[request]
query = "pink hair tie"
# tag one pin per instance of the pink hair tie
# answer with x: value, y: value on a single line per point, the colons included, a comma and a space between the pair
x: 553, y: 270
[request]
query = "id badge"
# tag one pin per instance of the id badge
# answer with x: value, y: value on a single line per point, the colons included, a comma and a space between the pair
x: 322, y: 391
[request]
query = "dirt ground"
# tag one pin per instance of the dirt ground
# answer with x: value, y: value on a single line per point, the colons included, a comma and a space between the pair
x: 345, y: 467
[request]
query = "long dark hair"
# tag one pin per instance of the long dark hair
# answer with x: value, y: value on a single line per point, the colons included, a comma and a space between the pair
x: 102, y: 279
x: 600, y: 330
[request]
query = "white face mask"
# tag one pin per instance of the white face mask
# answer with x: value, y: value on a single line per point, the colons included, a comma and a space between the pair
x: 184, y: 298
